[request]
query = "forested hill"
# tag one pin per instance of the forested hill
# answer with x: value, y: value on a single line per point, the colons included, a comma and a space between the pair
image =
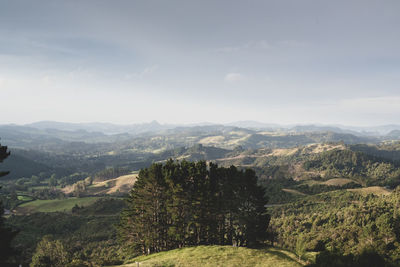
x: 59, y: 173
x: 303, y: 176
x: 228, y: 137
x: 387, y: 150
x: 354, y: 164
x: 342, y: 223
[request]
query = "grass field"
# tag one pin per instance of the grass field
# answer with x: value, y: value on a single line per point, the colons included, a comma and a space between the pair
x: 122, y: 184
x: 293, y: 191
x: 53, y: 205
x: 331, y: 182
x: 376, y: 190
x: 24, y: 198
x: 218, y: 256
x: 116, y: 186
x: 338, y: 181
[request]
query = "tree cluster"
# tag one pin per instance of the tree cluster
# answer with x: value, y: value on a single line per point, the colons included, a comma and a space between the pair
x: 346, y: 163
x: 186, y: 204
x: 347, y: 221
x: 6, y: 234
x: 86, y: 237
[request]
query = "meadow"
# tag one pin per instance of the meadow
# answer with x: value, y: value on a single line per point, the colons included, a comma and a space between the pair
x: 218, y: 256
x: 54, y: 205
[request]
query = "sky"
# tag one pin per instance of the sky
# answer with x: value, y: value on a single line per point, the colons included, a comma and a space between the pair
x: 134, y: 61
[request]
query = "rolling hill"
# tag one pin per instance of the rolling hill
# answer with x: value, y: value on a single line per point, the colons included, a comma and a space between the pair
x: 218, y: 256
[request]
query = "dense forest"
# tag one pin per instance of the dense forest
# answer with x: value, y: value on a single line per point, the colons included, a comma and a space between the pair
x: 186, y: 204
x: 345, y: 223
x: 85, y: 236
x: 347, y: 163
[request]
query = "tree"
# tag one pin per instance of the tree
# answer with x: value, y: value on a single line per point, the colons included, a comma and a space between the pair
x: 3, y: 155
x: 49, y: 253
x: 143, y: 223
x: 300, y: 246
x: 189, y: 203
x: 6, y: 234
x: 53, y: 180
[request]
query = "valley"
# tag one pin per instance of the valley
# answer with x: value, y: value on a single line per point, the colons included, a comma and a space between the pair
x: 62, y: 179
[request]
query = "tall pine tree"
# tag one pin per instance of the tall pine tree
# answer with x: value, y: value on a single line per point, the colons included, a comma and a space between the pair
x: 6, y: 234
x: 186, y: 203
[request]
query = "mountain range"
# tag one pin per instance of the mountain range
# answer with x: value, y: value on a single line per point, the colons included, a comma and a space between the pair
x: 154, y: 126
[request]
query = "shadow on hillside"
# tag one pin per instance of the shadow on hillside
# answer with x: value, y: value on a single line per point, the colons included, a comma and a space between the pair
x: 280, y: 254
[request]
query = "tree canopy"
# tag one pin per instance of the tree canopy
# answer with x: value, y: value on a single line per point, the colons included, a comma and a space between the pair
x: 6, y: 235
x: 189, y: 203
x: 3, y: 155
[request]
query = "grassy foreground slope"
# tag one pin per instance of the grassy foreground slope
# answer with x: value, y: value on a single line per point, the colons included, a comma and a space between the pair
x: 218, y: 256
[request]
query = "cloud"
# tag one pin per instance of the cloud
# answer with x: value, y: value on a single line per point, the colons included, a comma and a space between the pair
x: 145, y: 72
x: 2, y: 82
x: 46, y: 79
x: 293, y: 43
x: 378, y: 105
x: 233, y: 77
x: 251, y: 45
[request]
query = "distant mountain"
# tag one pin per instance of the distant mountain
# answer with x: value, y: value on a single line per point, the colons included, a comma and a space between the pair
x: 373, y: 130
x: 376, y: 131
x: 155, y: 127
x: 384, y: 129
x: 321, y: 128
x: 106, y: 128
x: 29, y: 137
x: 155, y: 137
x: 394, y: 134
x: 254, y: 125
x: 207, y: 129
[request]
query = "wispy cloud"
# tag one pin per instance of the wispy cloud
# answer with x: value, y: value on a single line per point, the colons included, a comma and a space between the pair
x: 2, y: 82
x: 377, y: 105
x: 261, y: 44
x: 233, y: 77
x: 292, y: 43
x: 146, y: 71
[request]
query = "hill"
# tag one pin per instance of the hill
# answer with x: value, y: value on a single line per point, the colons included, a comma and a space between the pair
x: 370, y: 169
x: 218, y: 256
x: 58, y: 138
x: 106, y: 128
x: 394, y: 134
x: 21, y: 166
x: 86, y: 230
x: 115, y: 186
x: 54, y: 205
x: 349, y: 221
x: 376, y: 190
x: 387, y: 150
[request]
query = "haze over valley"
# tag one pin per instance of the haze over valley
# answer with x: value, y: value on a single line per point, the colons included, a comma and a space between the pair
x: 199, y: 133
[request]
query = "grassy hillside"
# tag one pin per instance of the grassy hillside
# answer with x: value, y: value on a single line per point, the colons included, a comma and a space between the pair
x: 115, y: 186
x: 218, y: 256
x: 54, y: 205
x: 376, y: 190
x: 338, y: 181
x: 122, y: 184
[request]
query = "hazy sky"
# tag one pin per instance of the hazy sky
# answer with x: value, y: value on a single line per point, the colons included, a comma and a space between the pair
x: 189, y: 61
